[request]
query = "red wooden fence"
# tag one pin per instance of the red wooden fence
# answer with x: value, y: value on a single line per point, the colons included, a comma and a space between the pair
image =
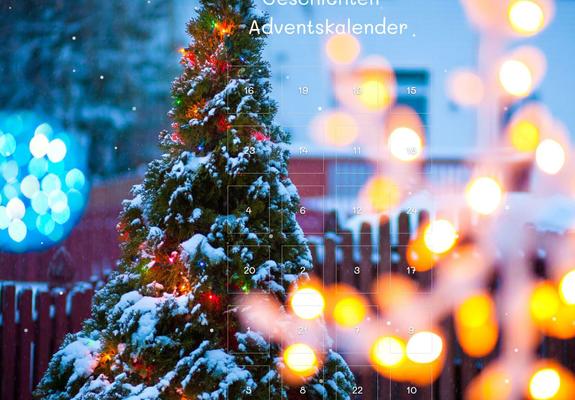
x: 33, y: 323
x: 33, y: 326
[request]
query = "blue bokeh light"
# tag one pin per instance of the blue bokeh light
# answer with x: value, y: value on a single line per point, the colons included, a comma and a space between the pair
x: 43, y: 186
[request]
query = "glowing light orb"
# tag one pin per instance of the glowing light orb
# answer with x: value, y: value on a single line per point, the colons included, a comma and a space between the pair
x: 57, y: 201
x: 307, y: 303
x: 57, y: 150
x: 493, y: 383
x: 50, y: 183
x: 567, y: 288
x: 38, y: 167
x: 475, y: 311
x: 30, y: 186
x: 424, y: 347
x: 61, y: 216
x: 545, y: 302
x: 44, y: 129
x: 388, y: 351
x: 440, y: 236
x: 526, y: 17
x: 45, y: 224
x: 15, y: 209
x: 17, y: 230
x: 374, y: 94
x: 349, y: 311
x: 10, y: 171
x: 39, y: 145
x: 300, y: 359
x: 550, y: 156
x: 340, y: 129
x: 40, y: 203
x: 75, y: 179
x: 524, y: 136
x: 342, y: 49
x: 42, y: 186
x: 516, y: 78
x: 381, y: 194
x: 465, y: 88
x: 484, y: 195
x: 371, y: 86
x: 7, y: 144
x: 10, y: 191
x: 419, y: 256
x: 476, y: 325
x: 405, y: 144
x: 544, y: 384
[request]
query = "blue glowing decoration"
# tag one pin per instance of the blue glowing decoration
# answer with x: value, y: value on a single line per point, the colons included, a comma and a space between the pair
x: 43, y: 186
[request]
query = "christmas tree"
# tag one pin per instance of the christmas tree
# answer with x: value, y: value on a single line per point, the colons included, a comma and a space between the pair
x: 213, y: 220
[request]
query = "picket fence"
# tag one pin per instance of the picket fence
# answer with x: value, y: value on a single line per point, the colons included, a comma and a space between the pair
x: 34, y: 322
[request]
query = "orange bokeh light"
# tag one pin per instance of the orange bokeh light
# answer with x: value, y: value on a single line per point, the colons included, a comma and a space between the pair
x: 549, y: 380
x: 567, y: 288
x: 404, y: 117
x: 476, y: 325
x: 484, y: 195
x: 349, y: 311
x: 301, y: 360
x: 419, y: 256
x: 345, y: 306
x: 394, y: 289
x: 387, y: 356
x: 550, y: 156
x: 493, y: 383
x: 342, y: 49
x: 527, y: 126
x: 380, y: 194
x: 524, y: 136
x: 521, y: 71
x: 529, y: 17
x: 476, y: 311
x: 550, y: 314
x: 440, y: 236
x: 370, y: 87
x: 465, y: 88
x: 307, y: 303
x: 405, y: 144
x: 419, y: 360
x: 425, y: 357
x: 334, y: 128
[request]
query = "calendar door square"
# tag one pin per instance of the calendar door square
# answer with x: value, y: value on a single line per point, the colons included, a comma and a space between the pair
x: 246, y: 97
x: 246, y: 263
x: 305, y: 87
x: 232, y: 344
x: 262, y: 389
x: 253, y: 208
x: 247, y: 158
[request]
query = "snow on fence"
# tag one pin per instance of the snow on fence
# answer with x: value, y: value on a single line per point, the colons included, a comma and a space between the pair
x: 34, y: 322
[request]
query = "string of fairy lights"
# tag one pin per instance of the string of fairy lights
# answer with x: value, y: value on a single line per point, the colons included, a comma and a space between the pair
x: 408, y: 351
